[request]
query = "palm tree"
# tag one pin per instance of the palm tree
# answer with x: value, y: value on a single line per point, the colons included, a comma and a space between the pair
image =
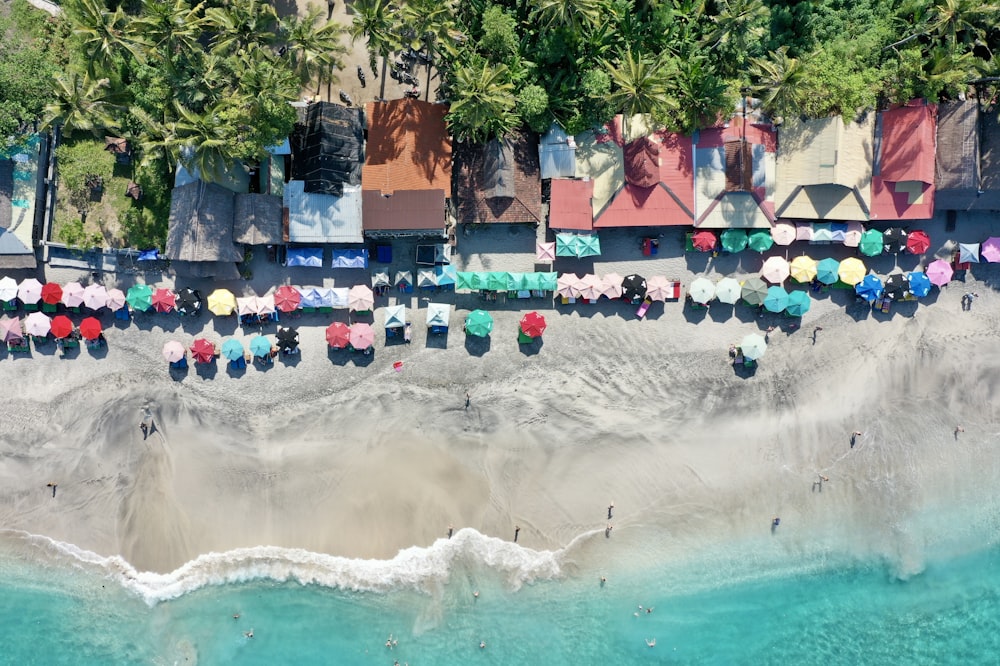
x: 313, y: 49
x: 200, y: 140
x: 82, y: 103
x: 170, y: 27
x: 241, y: 24
x: 780, y: 82
x: 701, y: 94
x: 962, y: 21
x: 376, y: 21
x: 738, y: 25
x: 482, y: 104
x: 573, y: 14
x: 430, y: 24
x: 102, y: 34
x: 639, y: 85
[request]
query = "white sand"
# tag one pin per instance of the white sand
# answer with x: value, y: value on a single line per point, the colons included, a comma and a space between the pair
x: 363, y: 461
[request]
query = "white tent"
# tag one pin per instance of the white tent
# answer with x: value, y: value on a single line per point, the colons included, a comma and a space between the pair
x: 338, y: 297
x: 395, y: 316
x: 968, y: 252
x: 438, y: 314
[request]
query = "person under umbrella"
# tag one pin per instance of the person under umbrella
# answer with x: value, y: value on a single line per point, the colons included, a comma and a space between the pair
x: 288, y: 340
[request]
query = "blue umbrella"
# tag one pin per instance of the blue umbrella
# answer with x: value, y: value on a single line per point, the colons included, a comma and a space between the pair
x: 776, y: 299
x: 260, y: 346
x: 869, y: 288
x: 232, y: 349
x: 920, y: 284
x: 798, y: 303
x: 827, y: 271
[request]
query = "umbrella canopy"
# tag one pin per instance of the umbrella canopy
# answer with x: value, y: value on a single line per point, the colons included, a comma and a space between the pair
x: 803, y: 269
x: 479, y: 323
x: 939, y: 272
x: 405, y: 279
x: 990, y: 251
x: 188, y: 301
x: 164, y: 300
x: 338, y: 335
x: 798, y: 303
x: 61, y: 326
x: 733, y: 240
x: 701, y: 290
x: 438, y: 314
x: 871, y: 243
x: 221, y: 302
x: 116, y: 299
x: 728, y: 290
x: 95, y: 296
x: 10, y: 329
x: 775, y: 270
x: 803, y: 231
x: 851, y: 271
x: 754, y: 346
x: 545, y: 252
x: 380, y: 279
x: 287, y: 298
x: 260, y: 346
x: 918, y: 242
x: 920, y: 284
x: 202, y: 351
x: 51, y: 293
x: 265, y: 305
x: 395, y: 316
x: 565, y: 285
x: 246, y: 305
x: 783, y: 233
x: 588, y: 246
x: 827, y: 270
x: 565, y: 245
x: 590, y: 287
x: 754, y: 291
x: 232, y: 349
x: 703, y: 241
x: 659, y: 288
x: 362, y: 336
x: 869, y: 288
x: 37, y: 324
x: 30, y: 291
x: 776, y: 299
x: 633, y: 288
x: 611, y: 285
x: 896, y: 286
x: 967, y: 252
x: 288, y: 338
x: 893, y: 240
x: 139, y: 297
x: 72, y: 295
x: 173, y: 351
x: 760, y: 240
x: 8, y: 288
x: 90, y: 328
x: 360, y: 298
x: 533, y: 325
x: 852, y: 236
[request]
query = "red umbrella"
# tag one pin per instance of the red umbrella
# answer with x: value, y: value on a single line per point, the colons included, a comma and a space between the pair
x: 704, y: 241
x: 533, y: 325
x: 203, y: 351
x: 164, y: 300
x: 90, y: 328
x: 287, y: 298
x: 917, y: 243
x: 62, y: 327
x: 51, y: 293
x: 338, y: 335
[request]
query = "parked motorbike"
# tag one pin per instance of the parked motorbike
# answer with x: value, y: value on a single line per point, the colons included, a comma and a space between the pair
x: 412, y: 93
x: 361, y: 76
x: 345, y: 98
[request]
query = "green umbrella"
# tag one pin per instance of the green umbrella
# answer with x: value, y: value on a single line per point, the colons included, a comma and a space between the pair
x: 566, y: 245
x: 464, y: 280
x: 479, y: 323
x: 548, y: 281
x: 531, y: 281
x: 734, y: 240
x: 754, y: 291
x: 871, y: 243
x: 139, y: 297
x: 798, y: 303
x: 496, y: 281
x: 588, y: 246
x: 827, y: 271
x: 260, y: 346
x: 232, y: 349
x: 760, y: 241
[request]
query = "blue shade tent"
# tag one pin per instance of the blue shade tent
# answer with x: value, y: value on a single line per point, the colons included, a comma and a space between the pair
x: 920, y: 284
x: 350, y: 259
x: 311, y: 257
x: 869, y: 288
x: 798, y: 303
x: 776, y: 299
x: 445, y: 276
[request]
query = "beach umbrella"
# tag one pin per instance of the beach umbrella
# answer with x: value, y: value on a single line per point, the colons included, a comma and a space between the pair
x: 588, y: 245
x: 10, y: 329
x: 163, y: 300
x: 232, y: 349
x: 990, y: 250
x: 783, y: 233
x: 920, y: 284
x: 852, y: 236
x: 754, y: 291
x: 288, y: 338
x: 611, y: 285
x: 760, y: 240
x: 288, y: 298
x: 173, y: 351
x: 733, y: 240
x: 775, y: 270
x: 533, y: 325
x: 634, y: 287
x: 565, y: 245
x: 871, y: 243
x: 72, y: 295
x: 116, y: 299
x: 754, y: 346
x: 896, y: 285
x: 90, y: 328
x: 188, y: 301
x: 851, y: 271
x: 894, y: 240
x: 202, y: 351
x: 918, y: 242
x: 967, y: 253
x: 139, y: 297
x: 701, y: 290
x: 62, y: 327
x: 221, y: 302
x: 798, y: 303
x: 51, y: 293
x: 703, y: 241
x: 565, y: 285
x: 939, y: 272
x: 479, y: 323
x: 728, y: 290
x: 260, y: 346
x: 8, y: 288
x: 870, y: 288
x: 95, y: 296
x: 803, y: 231
x: 338, y: 335
x: 776, y: 299
x: 803, y: 269
x: 37, y: 324
x: 360, y: 298
x: 827, y: 270
x: 362, y: 336
x: 545, y: 252
x: 659, y: 288
x: 590, y: 287
x: 30, y: 291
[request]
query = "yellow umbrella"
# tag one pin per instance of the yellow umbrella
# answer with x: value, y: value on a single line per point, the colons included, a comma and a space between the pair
x: 852, y: 271
x: 221, y: 302
x: 803, y: 269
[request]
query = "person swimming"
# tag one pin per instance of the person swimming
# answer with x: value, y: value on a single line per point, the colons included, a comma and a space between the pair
x: 248, y: 634
x: 651, y: 642
x: 482, y: 645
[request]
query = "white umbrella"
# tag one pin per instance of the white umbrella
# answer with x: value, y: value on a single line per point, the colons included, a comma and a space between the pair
x: 8, y: 288
x: 967, y: 253
x: 783, y: 233
x: 30, y: 291
x: 116, y: 299
x: 37, y: 324
x: 360, y: 298
x: 95, y: 296
x: 728, y: 290
x: 565, y: 284
x: 775, y: 270
x: 73, y: 295
x: 701, y: 290
x: 754, y: 346
x: 611, y: 285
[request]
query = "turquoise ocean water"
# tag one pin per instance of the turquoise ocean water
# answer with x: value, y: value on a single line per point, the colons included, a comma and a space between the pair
x: 745, y: 609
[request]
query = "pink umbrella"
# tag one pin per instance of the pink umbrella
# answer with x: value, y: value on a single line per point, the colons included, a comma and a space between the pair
x: 939, y: 272
x: 362, y: 336
x: 360, y: 298
x: 37, y: 324
x: 116, y: 299
x: 173, y: 351
x: 95, y: 296
x: 545, y: 252
x: 591, y: 287
x: 30, y: 291
x: 803, y: 231
x: 783, y: 233
x: 73, y: 295
x: 775, y: 270
x: 10, y: 329
x: 565, y: 283
x: 990, y: 251
x: 611, y: 285
x: 658, y: 288
x: 852, y: 237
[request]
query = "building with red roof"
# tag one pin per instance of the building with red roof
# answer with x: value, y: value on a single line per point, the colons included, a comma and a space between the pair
x: 903, y: 172
x: 570, y: 204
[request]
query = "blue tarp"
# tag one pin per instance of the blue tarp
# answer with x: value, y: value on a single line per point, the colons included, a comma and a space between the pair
x: 311, y: 257
x: 149, y: 255
x: 350, y: 259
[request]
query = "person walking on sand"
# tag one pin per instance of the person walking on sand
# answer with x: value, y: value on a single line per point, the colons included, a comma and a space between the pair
x: 52, y: 485
x: 958, y: 429
x: 815, y: 331
x: 607, y: 531
x: 517, y: 530
x: 854, y: 437
x: 610, y: 508
x: 451, y: 530
x: 145, y: 430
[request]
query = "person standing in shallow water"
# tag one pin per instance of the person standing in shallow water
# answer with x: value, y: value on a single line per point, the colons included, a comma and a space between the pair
x: 517, y: 530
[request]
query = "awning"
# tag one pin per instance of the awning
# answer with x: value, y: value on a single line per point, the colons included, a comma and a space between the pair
x: 309, y: 257
x: 349, y: 259
x: 438, y: 314
x: 395, y: 316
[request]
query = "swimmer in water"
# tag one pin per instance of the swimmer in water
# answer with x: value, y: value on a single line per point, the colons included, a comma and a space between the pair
x: 476, y: 594
x: 236, y: 616
x: 248, y: 634
x: 651, y: 642
x: 482, y: 645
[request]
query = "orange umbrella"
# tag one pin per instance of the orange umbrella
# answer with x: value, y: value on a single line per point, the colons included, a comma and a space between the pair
x: 51, y: 293
x: 203, y: 351
x: 533, y: 325
x: 90, y: 328
x: 338, y: 335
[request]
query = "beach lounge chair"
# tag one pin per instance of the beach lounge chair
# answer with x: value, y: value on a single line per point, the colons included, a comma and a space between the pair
x: 749, y: 363
x: 18, y: 346
x: 123, y: 314
x: 238, y: 363
x: 182, y: 364
x: 643, y: 308
x: 49, y: 307
x: 10, y: 306
x: 522, y: 338
x: 439, y: 329
x: 31, y: 307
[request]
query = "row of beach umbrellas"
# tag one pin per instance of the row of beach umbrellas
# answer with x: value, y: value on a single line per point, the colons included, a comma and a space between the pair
x: 869, y: 242
x: 753, y: 291
x: 613, y: 286
x: 850, y: 271
x: 40, y: 325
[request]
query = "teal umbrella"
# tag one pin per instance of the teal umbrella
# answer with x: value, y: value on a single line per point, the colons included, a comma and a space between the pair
x: 734, y: 240
x: 139, y: 297
x: 566, y: 245
x: 760, y: 241
x: 548, y: 281
x: 776, y: 299
x: 496, y: 281
x: 531, y: 281
x: 754, y: 291
x: 465, y: 280
x: 232, y: 349
x: 588, y: 246
x: 798, y: 303
x: 260, y: 346
x: 871, y: 243
x: 479, y: 323
x: 827, y: 270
